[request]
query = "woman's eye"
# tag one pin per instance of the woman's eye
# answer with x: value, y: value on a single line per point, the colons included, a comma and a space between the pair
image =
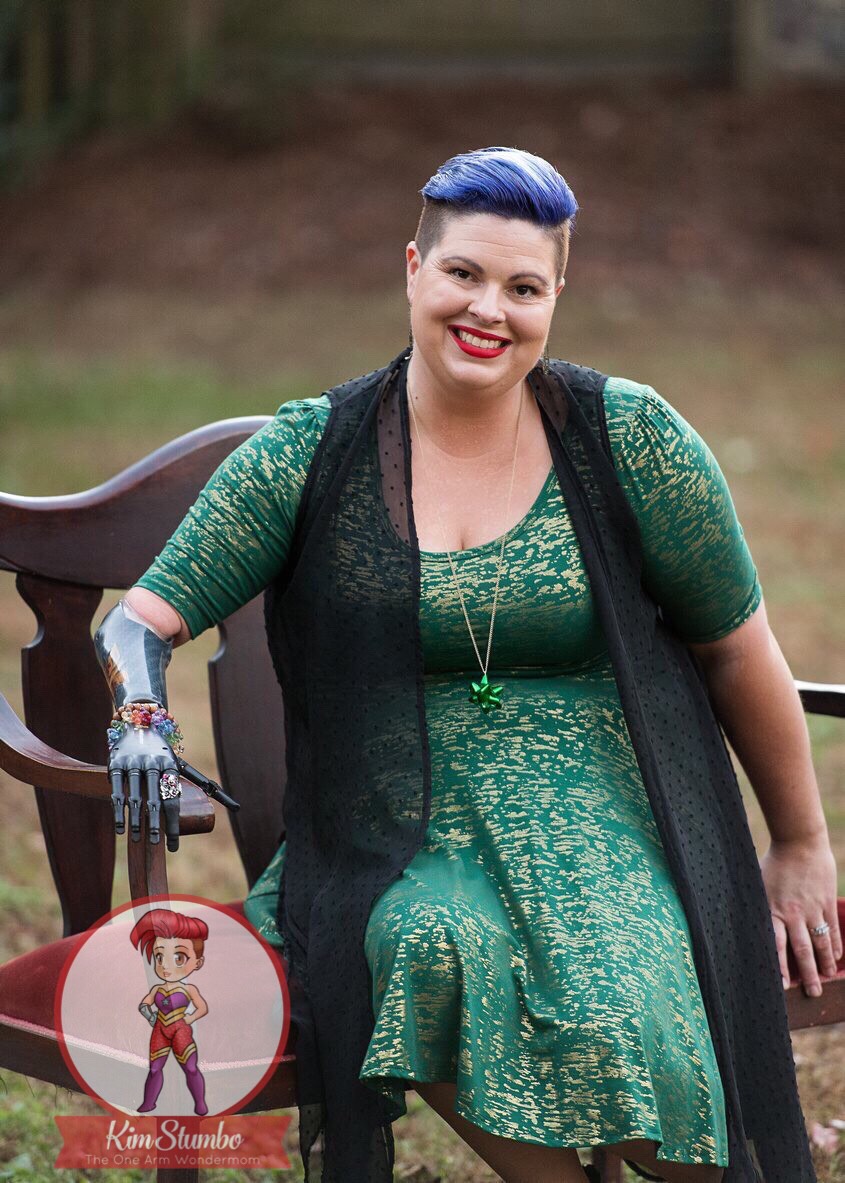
x: 527, y: 288
x: 459, y: 271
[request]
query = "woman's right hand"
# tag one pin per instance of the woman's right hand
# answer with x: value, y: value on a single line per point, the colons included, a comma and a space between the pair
x: 137, y: 762
x: 134, y: 656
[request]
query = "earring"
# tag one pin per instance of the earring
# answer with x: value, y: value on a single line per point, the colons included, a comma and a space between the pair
x: 544, y: 360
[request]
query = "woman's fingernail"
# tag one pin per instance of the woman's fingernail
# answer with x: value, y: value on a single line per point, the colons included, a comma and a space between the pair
x: 815, y: 991
x: 785, y: 983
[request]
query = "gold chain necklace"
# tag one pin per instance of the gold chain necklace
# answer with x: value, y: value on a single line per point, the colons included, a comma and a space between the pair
x: 486, y: 695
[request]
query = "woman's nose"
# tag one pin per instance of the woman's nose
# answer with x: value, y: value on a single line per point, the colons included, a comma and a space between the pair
x: 486, y: 305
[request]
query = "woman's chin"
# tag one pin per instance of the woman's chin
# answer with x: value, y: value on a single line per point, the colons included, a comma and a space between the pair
x: 464, y: 370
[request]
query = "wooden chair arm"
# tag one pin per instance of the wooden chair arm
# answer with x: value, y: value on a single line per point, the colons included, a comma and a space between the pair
x: 822, y: 698
x: 61, y: 537
x: 25, y: 757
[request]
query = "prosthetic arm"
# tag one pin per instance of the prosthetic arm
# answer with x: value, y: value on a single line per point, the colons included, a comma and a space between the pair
x: 134, y: 657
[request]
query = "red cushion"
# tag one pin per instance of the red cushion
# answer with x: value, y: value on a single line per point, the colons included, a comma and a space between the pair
x: 28, y: 983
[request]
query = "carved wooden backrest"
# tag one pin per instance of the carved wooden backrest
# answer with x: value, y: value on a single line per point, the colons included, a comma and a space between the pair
x: 65, y: 551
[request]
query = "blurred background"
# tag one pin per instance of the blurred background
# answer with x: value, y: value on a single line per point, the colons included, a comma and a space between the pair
x: 204, y: 207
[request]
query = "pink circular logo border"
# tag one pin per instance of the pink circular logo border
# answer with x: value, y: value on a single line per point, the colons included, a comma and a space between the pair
x: 275, y: 960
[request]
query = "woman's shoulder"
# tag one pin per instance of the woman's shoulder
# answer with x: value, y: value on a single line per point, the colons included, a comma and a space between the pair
x: 291, y: 434
x: 696, y: 561
x: 319, y: 406
x: 628, y: 403
x: 302, y: 414
x: 641, y: 421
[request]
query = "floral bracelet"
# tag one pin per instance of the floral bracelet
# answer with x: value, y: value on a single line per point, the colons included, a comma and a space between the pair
x: 146, y: 714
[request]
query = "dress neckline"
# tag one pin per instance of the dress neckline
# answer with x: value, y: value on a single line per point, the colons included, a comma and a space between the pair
x: 494, y: 543
x: 442, y: 556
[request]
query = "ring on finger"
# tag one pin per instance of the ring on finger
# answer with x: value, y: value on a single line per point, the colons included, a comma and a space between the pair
x: 819, y: 930
x: 169, y: 786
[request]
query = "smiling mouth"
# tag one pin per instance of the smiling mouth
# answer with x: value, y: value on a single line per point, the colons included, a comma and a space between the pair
x: 476, y: 344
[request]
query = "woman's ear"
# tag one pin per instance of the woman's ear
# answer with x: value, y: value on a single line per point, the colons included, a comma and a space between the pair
x: 413, y: 264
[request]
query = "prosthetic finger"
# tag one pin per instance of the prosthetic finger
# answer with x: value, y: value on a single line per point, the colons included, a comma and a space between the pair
x: 211, y: 787
x: 118, y: 797
x: 170, y: 806
x: 135, y: 801
x: 153, y: 806
x: 171, y: 794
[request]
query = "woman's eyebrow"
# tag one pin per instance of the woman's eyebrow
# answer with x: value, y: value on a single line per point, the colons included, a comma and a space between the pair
x: 477, y: 267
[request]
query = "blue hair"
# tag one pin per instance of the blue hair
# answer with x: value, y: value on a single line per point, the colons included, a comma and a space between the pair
x: 504, y: 181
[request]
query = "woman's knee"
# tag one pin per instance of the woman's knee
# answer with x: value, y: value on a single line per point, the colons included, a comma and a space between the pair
x: 513, y: 1160
x: 643, y: 1151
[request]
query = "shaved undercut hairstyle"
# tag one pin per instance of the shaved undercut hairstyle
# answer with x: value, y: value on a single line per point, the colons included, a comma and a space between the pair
x: 503, y: 181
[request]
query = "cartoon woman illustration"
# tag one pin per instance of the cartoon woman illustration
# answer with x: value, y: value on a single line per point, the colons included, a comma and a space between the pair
x: 173, y: 945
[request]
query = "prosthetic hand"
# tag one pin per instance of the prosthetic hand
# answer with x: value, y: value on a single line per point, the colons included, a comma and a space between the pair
x: 148, y: 1013
x: 134, y: 658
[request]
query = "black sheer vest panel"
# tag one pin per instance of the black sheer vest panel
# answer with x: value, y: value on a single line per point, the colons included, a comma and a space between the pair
x: 343, y: 630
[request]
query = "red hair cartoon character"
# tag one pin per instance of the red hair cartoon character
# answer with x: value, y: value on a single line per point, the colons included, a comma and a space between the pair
x: 173, y: 944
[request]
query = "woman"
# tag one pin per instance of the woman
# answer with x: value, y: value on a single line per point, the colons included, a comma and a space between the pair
x: 532, y: 967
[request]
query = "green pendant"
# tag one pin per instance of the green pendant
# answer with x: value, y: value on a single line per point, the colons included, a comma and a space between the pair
x: 486, y: 695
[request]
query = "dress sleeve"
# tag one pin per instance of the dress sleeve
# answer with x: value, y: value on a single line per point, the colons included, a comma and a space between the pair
x: 696, y: 562
x: 235, y: 538
x: 261, y: 905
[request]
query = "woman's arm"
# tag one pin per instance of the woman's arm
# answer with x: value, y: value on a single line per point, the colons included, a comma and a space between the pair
x: 755, y: 699
x: 697, y: 566
x: 230, y: 544
x: 162, y: 618
x: 235, y: 537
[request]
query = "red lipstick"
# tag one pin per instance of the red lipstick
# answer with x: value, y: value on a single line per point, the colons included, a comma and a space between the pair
x: 474, y: 350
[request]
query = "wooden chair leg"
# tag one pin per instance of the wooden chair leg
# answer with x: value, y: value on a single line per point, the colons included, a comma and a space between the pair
x: 609, y: 1165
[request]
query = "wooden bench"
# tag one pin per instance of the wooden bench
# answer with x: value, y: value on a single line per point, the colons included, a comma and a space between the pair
x: 64, y: 552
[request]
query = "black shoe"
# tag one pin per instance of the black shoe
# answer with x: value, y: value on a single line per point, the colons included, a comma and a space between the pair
x: 642, y: 1172
x: 594, y: 1175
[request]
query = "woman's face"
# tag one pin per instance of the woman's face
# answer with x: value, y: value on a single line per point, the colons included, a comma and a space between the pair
x: 491, y: 279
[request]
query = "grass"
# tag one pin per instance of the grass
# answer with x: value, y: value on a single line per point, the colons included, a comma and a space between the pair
x: 29, y: 1141
x: 91, y: 385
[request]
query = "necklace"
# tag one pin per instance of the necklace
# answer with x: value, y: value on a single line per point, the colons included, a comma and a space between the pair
x: 484, y: 693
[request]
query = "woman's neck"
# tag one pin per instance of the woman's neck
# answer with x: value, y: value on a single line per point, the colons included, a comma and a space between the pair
x: 465, y: 426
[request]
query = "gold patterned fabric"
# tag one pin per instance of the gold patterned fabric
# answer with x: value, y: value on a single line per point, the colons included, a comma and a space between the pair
x: 535, y: 950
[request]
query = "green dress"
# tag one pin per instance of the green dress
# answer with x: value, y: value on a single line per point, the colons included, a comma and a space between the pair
x: 535, y: 950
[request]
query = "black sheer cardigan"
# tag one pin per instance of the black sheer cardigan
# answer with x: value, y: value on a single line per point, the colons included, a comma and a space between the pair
x: 343, y: 631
